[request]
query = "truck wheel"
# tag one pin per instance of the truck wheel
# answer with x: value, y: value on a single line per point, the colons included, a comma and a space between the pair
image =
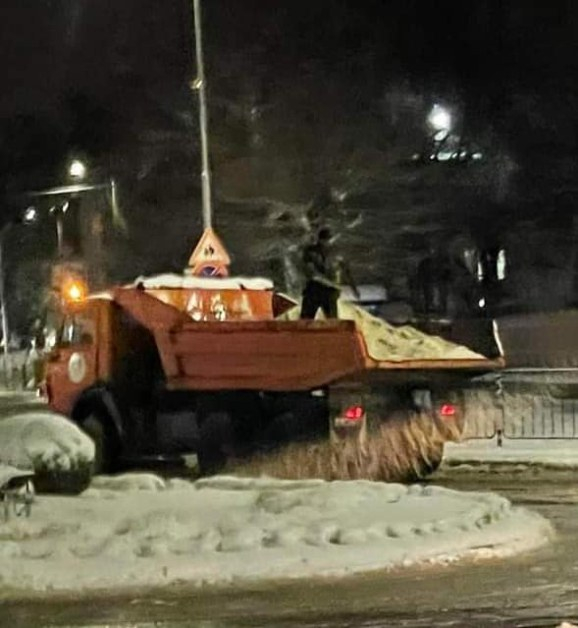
x: 104, y: 449
x: 215, y: 438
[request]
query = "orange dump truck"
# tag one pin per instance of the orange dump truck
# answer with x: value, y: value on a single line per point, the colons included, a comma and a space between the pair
x: 176, y: 364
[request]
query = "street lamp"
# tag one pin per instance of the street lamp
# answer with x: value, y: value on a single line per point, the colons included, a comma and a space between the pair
x: 440, y: 119
x: 77, y: 170
x: 30, y: 216
x: 27, y: 218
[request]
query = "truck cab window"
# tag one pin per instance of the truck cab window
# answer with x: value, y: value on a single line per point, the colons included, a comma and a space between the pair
x: 76, y: 330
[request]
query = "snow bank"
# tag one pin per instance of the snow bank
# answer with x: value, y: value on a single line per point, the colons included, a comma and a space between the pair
x: 545, y: 452
x: 225, y: 529
x: 54, y: 447
x: 396, y: 344
x: 170, y: 280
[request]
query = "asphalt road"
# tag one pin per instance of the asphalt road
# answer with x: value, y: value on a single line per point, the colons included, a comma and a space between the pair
x: 539, y: 588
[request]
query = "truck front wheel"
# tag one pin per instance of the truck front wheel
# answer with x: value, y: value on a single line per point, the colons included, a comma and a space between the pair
x: 104, y: 444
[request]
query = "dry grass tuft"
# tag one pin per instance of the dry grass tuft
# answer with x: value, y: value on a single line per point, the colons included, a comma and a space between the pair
x: 397, y: 450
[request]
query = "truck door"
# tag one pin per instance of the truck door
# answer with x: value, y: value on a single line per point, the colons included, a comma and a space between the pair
x: 72, y: 364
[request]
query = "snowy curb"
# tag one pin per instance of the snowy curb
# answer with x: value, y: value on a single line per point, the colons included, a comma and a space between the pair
x: 548, y: 454
x: 139, y: 531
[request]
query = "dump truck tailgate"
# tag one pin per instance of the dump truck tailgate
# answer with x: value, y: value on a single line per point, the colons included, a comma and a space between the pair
x: 260, y: 355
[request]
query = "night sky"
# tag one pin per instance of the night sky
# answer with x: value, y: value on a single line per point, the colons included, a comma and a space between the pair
x: 306, y: 98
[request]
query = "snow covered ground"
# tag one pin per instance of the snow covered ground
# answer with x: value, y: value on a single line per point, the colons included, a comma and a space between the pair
x: 551, y: 453
x: 137, y: 530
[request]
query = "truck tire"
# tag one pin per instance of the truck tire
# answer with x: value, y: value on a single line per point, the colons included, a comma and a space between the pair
x: 105, y: 448
x: 215, y: 439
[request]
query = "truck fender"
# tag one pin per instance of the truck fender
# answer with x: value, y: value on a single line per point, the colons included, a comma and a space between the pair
x: 99, y: 398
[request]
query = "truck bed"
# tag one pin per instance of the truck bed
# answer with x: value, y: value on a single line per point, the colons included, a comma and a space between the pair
x: 269, y: 355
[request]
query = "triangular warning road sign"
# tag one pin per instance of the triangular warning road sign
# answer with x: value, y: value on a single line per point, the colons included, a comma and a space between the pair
x: 209, y: 252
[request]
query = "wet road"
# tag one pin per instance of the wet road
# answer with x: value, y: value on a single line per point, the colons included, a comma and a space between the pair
x: 535, y: 589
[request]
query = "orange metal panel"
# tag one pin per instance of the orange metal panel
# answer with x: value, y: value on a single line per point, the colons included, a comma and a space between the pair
x: 265, y: 356
x: 259, y: 354
x: 148, y: 310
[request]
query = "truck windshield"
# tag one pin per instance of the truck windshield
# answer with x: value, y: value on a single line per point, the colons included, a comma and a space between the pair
x: 76, y: 330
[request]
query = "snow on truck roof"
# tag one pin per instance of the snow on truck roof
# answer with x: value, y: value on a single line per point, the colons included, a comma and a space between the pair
x: 172, y: 280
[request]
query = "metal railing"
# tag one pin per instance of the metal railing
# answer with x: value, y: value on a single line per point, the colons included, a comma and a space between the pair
x: 541, y: 417
x: 510, y: 414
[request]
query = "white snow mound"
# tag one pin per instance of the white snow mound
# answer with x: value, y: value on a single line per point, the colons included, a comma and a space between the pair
x: 43, y: 440
x: 226, y: 528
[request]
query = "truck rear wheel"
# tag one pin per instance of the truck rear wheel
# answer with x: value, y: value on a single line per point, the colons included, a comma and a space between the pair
x: 104, y: 445
x: 215, y: 439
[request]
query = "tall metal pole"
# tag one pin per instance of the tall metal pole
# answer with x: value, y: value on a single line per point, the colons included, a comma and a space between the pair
x: 60, y: 232
x: 199, y: 85
x: 5, y: 336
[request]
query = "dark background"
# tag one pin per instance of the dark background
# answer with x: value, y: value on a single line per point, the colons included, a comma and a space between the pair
x: 312, y: 106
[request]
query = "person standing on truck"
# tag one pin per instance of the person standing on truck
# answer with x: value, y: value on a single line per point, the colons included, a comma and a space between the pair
x: 325, y: 273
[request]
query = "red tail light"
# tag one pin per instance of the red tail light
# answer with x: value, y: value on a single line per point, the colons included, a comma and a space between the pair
x: 354, y: 412
x: 447, y: 410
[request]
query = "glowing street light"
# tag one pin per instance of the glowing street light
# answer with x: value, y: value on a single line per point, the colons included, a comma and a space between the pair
x: 30, y: 216
x: 440, y: 119
x: 77, y: 170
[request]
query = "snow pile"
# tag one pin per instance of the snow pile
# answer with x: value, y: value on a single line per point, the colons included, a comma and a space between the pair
x: 222, y: 529
x: 171, y: 280
x: 43, y: 440
x: 386, y: 342
x: 51, y: 445
x: 397, y: 344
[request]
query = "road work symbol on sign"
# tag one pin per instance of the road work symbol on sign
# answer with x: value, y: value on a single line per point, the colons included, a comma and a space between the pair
x: 210, y: 258
x: 76, y: 368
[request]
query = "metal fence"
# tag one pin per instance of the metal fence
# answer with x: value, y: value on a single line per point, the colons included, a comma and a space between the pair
x: 509, y: 414
x: 540, y: 417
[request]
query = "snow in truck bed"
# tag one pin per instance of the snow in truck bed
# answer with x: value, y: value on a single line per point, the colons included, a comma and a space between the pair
x: 396, y: 344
